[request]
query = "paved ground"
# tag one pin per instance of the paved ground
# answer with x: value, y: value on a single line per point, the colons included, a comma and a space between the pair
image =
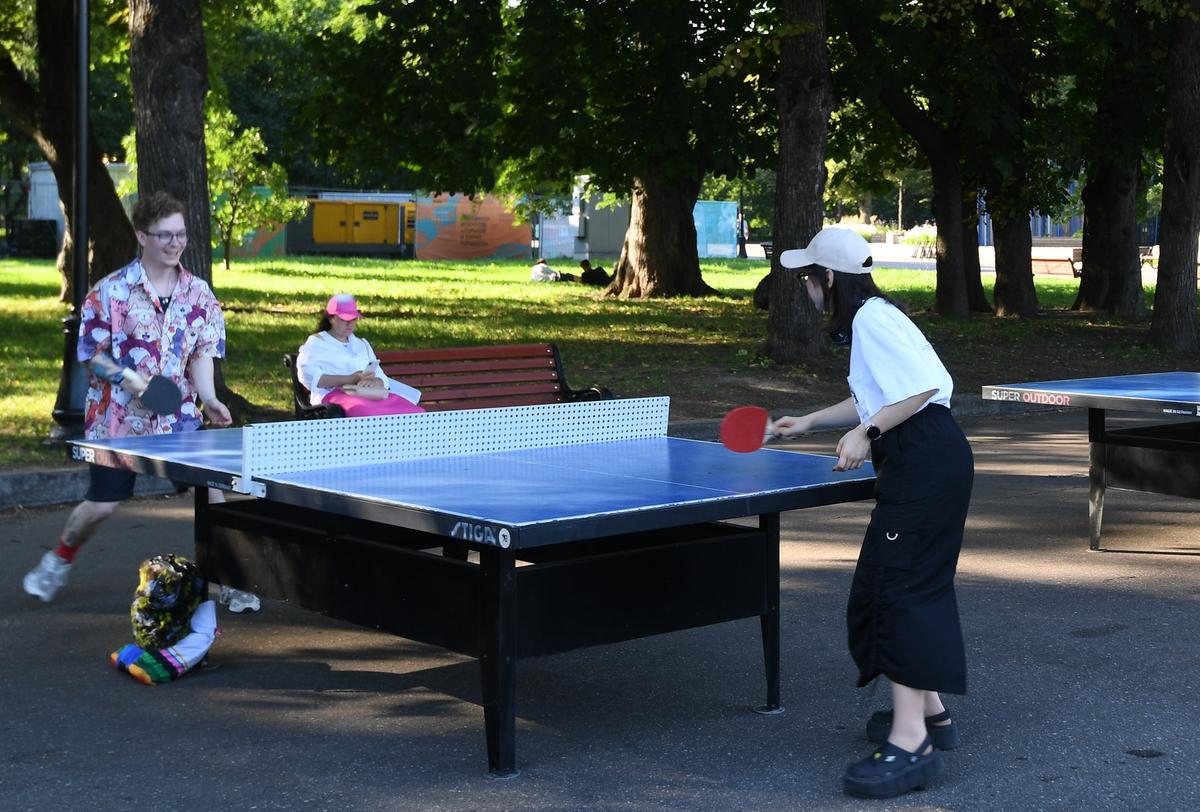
x: 1084, y: 673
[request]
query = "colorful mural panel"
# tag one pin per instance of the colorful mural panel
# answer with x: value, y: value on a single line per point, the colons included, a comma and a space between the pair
x: 457, y: 227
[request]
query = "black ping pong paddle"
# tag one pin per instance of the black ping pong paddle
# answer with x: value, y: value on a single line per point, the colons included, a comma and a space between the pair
x: 159, y: 394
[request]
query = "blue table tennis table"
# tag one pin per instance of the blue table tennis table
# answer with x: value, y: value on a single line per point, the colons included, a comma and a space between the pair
x: 497, y: 533
x: 1153, y: 457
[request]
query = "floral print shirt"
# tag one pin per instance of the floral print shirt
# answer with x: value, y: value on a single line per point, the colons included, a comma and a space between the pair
x: 122, y: 316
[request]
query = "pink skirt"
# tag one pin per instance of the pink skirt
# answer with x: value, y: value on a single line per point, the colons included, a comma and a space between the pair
x: 356, y: 406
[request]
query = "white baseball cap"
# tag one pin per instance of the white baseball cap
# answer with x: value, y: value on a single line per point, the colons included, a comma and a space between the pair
x: 838, y: 249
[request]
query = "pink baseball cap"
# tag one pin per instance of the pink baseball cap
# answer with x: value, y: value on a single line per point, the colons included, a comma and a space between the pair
x: 343, y: 306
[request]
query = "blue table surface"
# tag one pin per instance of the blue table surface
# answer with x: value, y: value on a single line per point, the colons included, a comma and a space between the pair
x: 529, y: 486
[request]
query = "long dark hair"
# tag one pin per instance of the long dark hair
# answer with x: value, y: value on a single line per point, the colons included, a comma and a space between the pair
x: 850, y: 291
x: 325, y: 323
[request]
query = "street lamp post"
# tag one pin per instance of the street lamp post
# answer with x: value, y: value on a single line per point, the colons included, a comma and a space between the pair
x: 741, y: 225
x: 72, y: 386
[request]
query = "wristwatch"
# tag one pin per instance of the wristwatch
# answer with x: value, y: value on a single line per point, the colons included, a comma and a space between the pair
x: 873, y: 432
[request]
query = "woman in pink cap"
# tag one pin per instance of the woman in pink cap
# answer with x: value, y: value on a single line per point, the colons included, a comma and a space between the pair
x: 339, y: 367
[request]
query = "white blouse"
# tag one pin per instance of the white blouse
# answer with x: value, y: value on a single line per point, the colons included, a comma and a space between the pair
x: 891, y: 360
x: 322, y: 354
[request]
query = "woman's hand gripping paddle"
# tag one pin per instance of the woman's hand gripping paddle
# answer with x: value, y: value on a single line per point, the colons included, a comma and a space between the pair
x: 744, y: 429
x: 159, y: 394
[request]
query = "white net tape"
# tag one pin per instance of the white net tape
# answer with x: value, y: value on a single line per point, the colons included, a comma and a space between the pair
x: 300, y: 445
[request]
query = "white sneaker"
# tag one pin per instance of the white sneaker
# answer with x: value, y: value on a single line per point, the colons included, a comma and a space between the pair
x: 44, y: 580
x: 239, y: 601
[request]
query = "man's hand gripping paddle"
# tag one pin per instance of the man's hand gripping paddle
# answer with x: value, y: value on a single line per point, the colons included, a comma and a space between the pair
x: 159, y: 394
x: 744, y: 429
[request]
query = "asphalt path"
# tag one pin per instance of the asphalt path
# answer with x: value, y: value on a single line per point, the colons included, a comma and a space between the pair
x: 1084, y: 672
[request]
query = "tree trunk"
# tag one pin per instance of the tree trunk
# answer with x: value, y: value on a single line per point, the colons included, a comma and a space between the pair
x: 46, y: 115
x: 950, y: 298
x: 804, y: 93
x: 943, y: 153
x: 972, y: 275
x: 1174, y: 322
x: 866, y: 206
x: 1014, y: 293
x: 659, y: 257
x: 941, y: 149
x: 169, y: 70
x: 1112, y: 270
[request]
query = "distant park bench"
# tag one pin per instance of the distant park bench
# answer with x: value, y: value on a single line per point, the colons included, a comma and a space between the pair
x: 1147, y: 258
x: 1054, y: 265
x: 1147, y: 255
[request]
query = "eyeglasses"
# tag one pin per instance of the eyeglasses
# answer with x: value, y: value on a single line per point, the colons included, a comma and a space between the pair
x: 167, y: 237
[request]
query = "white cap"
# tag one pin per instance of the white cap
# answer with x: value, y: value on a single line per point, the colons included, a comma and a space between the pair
x: 838, y: 249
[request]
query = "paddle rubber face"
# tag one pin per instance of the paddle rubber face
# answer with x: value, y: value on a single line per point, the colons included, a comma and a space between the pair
x: 744, y: 429
x: 162, y: 396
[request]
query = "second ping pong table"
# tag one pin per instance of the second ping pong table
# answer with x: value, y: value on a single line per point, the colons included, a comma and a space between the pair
x: 1159, y: 458
x: 497, y: 533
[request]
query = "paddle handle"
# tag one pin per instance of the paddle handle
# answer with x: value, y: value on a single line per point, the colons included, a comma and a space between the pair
x: 110, y: 370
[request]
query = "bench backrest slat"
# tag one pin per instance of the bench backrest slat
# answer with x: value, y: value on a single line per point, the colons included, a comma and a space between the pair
x: 398, y: 369
x: 424, y: 381
x: 456, y: 353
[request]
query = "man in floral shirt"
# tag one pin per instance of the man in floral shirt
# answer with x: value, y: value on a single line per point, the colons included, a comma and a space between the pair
x: 153, y: 316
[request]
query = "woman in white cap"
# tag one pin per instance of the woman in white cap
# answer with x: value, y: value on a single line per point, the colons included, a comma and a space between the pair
x: 339, y: 367
x: 902, y: 617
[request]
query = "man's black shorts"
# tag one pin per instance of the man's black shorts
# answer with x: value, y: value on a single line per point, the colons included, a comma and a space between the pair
x: 114, y: 485
x: 109, y: 484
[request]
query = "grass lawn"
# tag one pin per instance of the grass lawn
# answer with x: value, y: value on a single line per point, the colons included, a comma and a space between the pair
x: 703, y: 352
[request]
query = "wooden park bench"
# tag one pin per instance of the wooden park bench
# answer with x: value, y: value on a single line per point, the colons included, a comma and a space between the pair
x: 1147, y: 255
x: 467, y: 378
x: 1053, y: 265
x: 1147, y: 258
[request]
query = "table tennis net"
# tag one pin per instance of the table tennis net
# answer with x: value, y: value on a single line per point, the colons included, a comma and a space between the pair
x: 303, y: 445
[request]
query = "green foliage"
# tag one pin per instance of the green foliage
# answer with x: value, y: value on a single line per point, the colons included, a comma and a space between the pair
x: 108, y: 79
x: 246, y: 193
x: 263, y: 66
x: 110, y: 90
x: 640, y: 88
x: 757, y: 193
x: 18, y: 34
x: 409, y: 95
x: 523, y: 97
x: 993, y: 77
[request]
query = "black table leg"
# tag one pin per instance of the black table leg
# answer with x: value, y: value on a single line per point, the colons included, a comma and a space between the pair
x: 201, y: 525
x: 498, y: 657
x: 1096, y: 476
x: 769, y: 524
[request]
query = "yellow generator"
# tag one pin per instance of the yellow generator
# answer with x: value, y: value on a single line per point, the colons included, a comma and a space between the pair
x: 354, y: 227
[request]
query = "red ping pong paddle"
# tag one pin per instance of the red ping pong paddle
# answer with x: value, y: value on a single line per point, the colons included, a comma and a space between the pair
x: 159, y: 394
x: 744, y: 429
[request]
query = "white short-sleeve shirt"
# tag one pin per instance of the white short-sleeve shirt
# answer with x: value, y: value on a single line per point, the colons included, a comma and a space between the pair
x: 322, y: 354
x: 891, y: 360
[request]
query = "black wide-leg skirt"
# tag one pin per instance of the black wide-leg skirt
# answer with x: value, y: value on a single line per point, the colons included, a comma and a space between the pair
x: 902, y: 617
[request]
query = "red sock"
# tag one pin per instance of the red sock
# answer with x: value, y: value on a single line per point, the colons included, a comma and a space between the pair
x: 64, y: 552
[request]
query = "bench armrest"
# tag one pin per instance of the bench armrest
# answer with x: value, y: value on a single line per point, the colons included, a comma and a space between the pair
x: 591, y: 393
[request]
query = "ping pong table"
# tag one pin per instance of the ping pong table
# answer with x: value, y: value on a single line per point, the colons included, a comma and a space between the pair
x: 1150, y: 457
x: 497, y: 533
